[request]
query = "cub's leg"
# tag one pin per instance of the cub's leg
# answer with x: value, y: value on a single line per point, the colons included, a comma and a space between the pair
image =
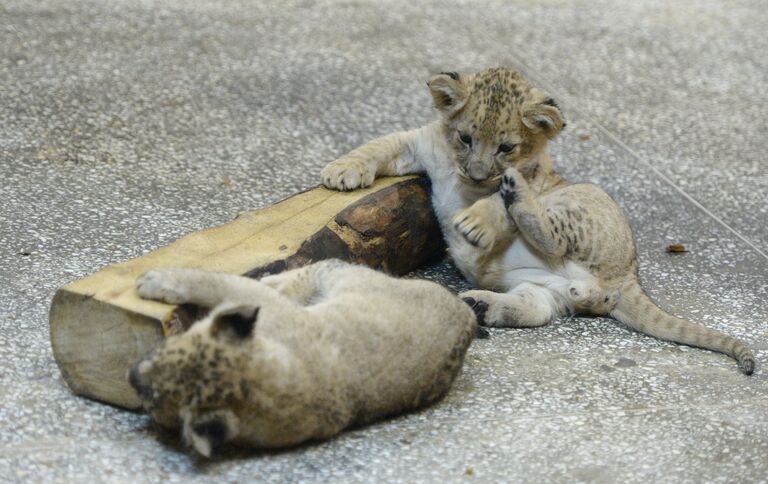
x: 203, y: 288
x: 535, y: 222
x: 589, y: 297
x: 525, y: 306
x: 485, y: 223
x: 386, y: 156
x: 296, y: 284
x: 306, y: 283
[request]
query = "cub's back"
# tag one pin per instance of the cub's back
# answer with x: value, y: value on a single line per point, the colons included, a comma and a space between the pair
x: 402, y: 341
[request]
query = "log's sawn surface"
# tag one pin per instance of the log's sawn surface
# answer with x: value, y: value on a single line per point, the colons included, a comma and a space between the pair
x: 100, y: 327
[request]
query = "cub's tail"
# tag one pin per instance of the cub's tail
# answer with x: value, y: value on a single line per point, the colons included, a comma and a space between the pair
x: 635, y: 309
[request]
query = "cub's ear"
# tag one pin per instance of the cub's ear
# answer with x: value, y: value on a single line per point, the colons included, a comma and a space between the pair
x: 449, y: 91
x: 541, y: 114
x: 237, y: 322
x: 209, y: 431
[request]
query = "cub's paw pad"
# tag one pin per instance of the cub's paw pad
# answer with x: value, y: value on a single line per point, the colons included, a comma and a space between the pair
x: 508, y: 188
x: 160, y: 285
x: 479, y: 307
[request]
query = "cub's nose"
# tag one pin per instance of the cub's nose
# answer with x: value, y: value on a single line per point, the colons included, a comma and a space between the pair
x: 478, y: 173
x: 137, y: 377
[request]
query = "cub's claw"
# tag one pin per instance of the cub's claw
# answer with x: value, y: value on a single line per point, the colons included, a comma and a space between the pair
x: 479, y: 307
x: 473, y: 229
x: 346, y: 175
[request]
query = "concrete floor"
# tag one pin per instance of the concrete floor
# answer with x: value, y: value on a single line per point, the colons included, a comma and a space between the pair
x: 125, y: 125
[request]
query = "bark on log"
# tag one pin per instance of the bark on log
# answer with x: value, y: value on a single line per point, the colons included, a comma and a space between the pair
x: 99, y: 326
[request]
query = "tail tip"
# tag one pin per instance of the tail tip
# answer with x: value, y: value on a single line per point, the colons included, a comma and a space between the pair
x: 747, y: 364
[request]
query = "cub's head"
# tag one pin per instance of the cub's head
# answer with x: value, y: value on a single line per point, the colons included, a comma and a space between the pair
x: 197, y: 380
x: 493, y: 120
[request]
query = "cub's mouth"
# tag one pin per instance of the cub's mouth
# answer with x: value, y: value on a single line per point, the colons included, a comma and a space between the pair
x: 490, y: 182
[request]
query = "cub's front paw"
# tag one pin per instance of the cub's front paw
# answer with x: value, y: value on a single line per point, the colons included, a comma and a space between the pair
x: 473, y: 226
x: 512, y: 183
x: 347, y: 175
x: 161, y: 285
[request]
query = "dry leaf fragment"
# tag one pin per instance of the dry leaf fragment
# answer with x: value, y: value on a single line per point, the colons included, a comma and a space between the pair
x: 676, y: 248
x: 585, y: 137
x: 226, y: 181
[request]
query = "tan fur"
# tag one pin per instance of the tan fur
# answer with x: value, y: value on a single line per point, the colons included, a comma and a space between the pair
x: 332, y: 345
x: 540, y: 247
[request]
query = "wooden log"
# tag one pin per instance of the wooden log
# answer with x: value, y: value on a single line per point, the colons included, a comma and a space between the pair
x: 99, y: 326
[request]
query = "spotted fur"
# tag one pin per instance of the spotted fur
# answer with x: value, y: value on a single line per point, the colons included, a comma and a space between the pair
x: 537, y: 245
x: 300, y: 355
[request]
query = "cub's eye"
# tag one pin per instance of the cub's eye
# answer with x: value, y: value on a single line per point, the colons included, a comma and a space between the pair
x: 506, y: 147
x: 466, y: 139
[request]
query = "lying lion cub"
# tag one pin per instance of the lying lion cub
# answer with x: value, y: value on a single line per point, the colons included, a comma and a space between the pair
x: 299, y: 355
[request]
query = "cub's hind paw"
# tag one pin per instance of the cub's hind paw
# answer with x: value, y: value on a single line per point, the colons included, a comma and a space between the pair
x: 511, y: 183
x: 160, y: 285
x: 584, y: 292
x: 590, y: 297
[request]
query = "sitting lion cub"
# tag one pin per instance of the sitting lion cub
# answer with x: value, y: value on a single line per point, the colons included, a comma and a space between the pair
x: 535, y: 244
x: 299, y: 355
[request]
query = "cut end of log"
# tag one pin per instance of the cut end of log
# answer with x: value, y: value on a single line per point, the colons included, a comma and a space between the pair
x: 95, y: 343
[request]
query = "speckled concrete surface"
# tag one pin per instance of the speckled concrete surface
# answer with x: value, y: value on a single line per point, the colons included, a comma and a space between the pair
x: 679, y: 82
x: 124, y: 126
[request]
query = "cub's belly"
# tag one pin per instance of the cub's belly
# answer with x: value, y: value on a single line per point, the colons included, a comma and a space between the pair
x: 506, y: 270
x: 521, y: 264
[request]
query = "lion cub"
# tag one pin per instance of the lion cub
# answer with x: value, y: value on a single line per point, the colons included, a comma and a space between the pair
x: 299, y: 355
x: 538, y: 248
